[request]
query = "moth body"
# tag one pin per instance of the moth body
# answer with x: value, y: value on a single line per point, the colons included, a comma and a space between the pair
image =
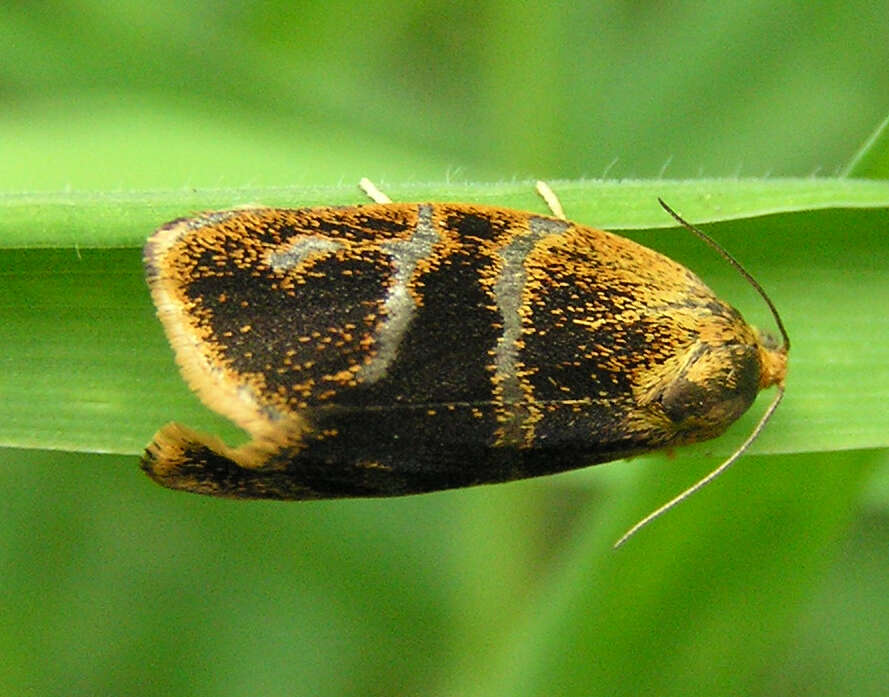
x: 391, y: 349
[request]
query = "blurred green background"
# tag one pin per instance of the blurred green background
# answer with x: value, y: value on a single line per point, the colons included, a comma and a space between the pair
x: 770, y: 582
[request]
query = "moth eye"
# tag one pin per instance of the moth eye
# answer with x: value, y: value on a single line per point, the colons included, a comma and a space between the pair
x: 715, y: 388
x: 767, y: 339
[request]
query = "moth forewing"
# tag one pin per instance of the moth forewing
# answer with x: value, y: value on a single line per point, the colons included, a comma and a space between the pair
x: 391, y: 349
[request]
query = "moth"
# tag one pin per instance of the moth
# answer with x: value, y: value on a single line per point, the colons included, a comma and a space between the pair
x: 389, y: 349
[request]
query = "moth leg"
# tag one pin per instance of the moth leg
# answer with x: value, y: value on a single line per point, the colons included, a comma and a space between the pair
x: 368, y: 187
x: 183, y: 459
x: 549, y: 196
x: 248, y: 207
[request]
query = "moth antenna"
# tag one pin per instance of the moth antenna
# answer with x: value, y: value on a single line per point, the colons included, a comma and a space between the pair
x: 734, y: 262
x: 701, y: 483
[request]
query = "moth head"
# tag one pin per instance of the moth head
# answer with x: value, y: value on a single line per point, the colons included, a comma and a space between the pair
x: 772, y: 360
x: 697, y: 399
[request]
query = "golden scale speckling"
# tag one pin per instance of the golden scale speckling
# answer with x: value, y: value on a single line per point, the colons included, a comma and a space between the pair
x: 390, y: 348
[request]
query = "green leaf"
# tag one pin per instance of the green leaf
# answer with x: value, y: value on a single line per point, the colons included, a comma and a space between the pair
x: 86, y: 366
x: 92, y: 219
